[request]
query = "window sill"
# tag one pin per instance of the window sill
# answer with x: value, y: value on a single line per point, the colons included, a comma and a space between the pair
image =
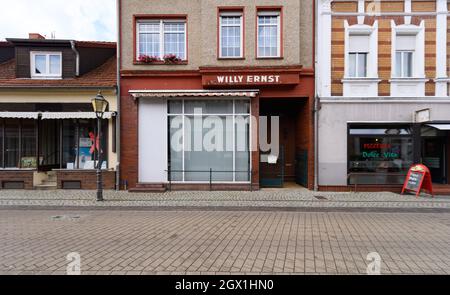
x: 409, y: 80
x: 275, y: 57
x: 161, y: 63
x: 360, y: 80
x: 231, y: 58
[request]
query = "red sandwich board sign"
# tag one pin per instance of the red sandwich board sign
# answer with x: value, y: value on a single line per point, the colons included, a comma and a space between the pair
x: 418, y: 179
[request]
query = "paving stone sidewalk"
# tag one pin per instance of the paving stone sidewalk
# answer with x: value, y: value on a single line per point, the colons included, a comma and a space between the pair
x: 267, y: 198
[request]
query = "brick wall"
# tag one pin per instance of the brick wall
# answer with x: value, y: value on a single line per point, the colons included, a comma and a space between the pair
x: 25, y: 176
x: 87, y: 178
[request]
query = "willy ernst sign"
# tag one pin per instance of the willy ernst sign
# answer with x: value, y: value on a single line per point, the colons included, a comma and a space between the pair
x: 250, y: 79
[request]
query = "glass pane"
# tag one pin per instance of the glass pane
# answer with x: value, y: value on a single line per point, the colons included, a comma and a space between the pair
x: 380, y: 131
x: 379, y: 160
x: 70, y: 146
x: 176, y: 147
x: 214, y: 133
x: 174, y: 44
x: 40, y: 63
x: 231, y: 36
x: 242, y: 107
x: 87, y: 152
x: 209, y: 106
x: 398, y: 64
x: 149, y: 44
x: 55, y: 64
x: 268, y: 36
x: 149, y: 27
x: 49, y: 142
x: 11, y: 143
x: 352, y: 65
x: 242, y: 148
x: 28, y: 148
x: 407, y: 64
x: 362, y: 64
x: 175, y: 106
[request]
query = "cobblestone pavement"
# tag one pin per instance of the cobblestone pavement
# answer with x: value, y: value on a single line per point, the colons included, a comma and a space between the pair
x: 222, y: 242
x: 275, y: 198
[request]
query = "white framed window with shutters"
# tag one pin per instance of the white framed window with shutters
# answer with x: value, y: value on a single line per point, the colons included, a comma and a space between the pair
x: 45, y: 65
x: 157, y: 38
x: 269, y: 34
x: 358, y: 56
x: 231, y: 41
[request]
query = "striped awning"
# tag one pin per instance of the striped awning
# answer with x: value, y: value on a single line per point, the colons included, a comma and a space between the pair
x: 74, y: 115
x: 19, y: 115
x: 192, y: 93
x: 53, y: 115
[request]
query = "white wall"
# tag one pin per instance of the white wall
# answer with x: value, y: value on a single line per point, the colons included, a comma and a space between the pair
x: 153, y: 140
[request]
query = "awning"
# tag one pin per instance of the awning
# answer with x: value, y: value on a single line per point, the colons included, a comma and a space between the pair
x: 19, y: 115
x: 74, y: 115
x: 440, y: 126
x: 192, y: 93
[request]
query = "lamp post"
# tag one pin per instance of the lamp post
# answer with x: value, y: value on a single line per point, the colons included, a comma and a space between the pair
x: 100, y: 105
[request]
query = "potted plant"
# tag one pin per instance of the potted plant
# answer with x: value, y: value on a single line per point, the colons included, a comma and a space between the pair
x: 148, y: 58
x: 171, y: 59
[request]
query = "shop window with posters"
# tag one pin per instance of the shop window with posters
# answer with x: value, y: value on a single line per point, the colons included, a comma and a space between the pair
x: 379, y: 154
x: 80, y: 144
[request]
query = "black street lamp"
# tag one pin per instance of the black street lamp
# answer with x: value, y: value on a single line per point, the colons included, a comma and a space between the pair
x: 100, y: 105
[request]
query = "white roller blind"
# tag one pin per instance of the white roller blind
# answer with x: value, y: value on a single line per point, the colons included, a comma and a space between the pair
x: 359, y: 43
x: 406, y: 42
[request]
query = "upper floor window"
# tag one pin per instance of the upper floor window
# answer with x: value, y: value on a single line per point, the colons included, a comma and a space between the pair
x: 359, y: 48
x: 231, y: 32
x: 404, y: 56
x: 269, y: 34
x: 404, y: 64
x: 158, y: 38
x: 46, y: 65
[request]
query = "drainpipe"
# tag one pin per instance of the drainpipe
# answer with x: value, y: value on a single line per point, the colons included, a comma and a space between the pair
x: 118, y: 57
x: 77, y: 54
x: 316, y: 98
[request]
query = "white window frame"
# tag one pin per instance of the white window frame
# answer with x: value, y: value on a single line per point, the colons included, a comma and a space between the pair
x: 241, y: 25
x: 161, y: 23
x: 276, y: 13
x: 402, y: 68
x: 357, y: 65
x: 47, y: 74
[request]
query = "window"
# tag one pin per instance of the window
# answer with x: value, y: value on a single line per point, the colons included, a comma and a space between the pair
x: 209, y: 135
x: 162, y: 37
x: 358, y: 53
x: 231, y: 32
x: 269, y: 34
x: 404, y: 64
x: 46, y: 65
x: 379, y: 154
x: 405, y: 46
x: 18, y: 143
x: 357, y: 64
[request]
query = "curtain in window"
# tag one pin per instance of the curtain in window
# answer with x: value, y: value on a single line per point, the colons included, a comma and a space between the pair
x: 230, y: 36
x: 268, y: 35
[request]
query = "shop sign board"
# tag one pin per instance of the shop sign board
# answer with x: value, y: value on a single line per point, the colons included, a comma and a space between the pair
x: 245, y: 79
x: 423, y: 116
x: 418, y: 179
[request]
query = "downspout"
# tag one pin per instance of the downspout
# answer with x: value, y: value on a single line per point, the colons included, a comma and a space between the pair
x: 316, y: 98
x: 77, y: 55
x: 118, y: 95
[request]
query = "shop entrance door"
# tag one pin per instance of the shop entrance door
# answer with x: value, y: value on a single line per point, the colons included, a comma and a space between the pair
x: 49, y: 150
x: 434, y: 157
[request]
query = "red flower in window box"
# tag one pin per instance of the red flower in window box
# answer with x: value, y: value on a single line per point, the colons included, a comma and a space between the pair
x: 171, y: 59
x: 148, y: 58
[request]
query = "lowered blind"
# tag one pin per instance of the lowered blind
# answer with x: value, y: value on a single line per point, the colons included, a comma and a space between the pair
x: 359, y: 43
x: 406, y: 42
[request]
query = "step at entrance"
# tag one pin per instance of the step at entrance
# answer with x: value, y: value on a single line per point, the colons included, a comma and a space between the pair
x: 45, y: 181
x: 149, y: 188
